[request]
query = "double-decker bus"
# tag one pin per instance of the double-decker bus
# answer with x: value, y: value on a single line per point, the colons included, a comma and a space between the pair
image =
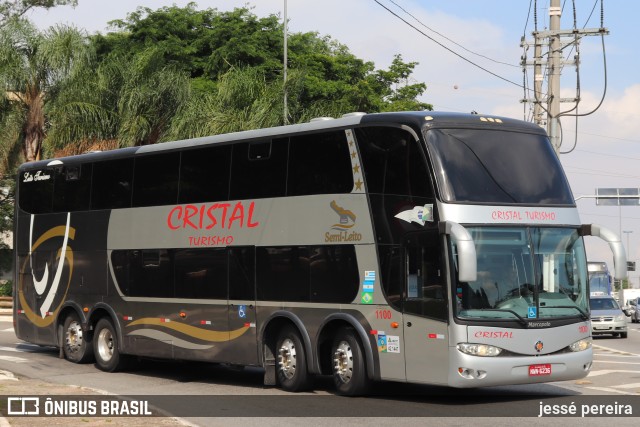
x: 599, y: 278
x: 422, y: 247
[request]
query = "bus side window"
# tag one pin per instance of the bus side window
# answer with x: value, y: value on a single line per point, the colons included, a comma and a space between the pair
x: 155, y: 180
x: 72, y: 188
x: 259, y: 169
x: 309, y: 156
x: 111, y: 187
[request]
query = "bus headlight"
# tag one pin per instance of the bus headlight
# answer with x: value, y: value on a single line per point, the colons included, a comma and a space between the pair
x: 479, y: 349
x: 581, y: 345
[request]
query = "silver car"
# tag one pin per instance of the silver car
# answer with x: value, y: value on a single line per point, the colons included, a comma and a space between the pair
x: 607, y: 317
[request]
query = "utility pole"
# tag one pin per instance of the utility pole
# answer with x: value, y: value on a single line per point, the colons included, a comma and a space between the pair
x: 555, y: 39
x: 284, y: 72
x: 555, y: 59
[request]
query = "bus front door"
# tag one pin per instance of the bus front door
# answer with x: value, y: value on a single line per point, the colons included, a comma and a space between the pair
x: 425, y: 310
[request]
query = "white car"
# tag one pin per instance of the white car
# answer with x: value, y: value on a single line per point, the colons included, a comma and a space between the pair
x: 607, y: 317
x: 634, y: 310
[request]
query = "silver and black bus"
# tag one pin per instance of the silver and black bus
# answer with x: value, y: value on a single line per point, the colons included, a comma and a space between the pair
x: 418, y: 246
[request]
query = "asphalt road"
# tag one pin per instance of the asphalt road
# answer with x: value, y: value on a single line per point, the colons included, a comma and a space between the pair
x: 212, y: 395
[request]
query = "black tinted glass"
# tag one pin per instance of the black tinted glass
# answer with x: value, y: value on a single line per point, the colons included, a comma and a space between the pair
x: 498, y: 167
x: 72, y: 188
x: 204, y: 174
x: 156, y: 180
x: 319, y: 164
x: 259, y: 169
x: 393, y: 162
x: 111, y: 187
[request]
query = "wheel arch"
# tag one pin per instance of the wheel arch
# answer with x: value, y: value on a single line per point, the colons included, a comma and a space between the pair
x: 270, y: 330
x: 102, y: 310
x: 69, y: 307
x: 328, y: 330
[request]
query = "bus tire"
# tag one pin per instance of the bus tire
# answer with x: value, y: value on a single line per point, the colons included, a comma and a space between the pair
x: 105, y: 347
x: 291, y: 361
x: 349, y: 369
x: 76, y: 343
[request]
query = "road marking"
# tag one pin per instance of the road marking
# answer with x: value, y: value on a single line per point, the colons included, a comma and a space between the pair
x: 613, y: 350
x: 14, y: 359
x: 611, y: 390
x: 613, y: 361
x: 635, y: 385
x: 7, y: 330
x: 609, y: 371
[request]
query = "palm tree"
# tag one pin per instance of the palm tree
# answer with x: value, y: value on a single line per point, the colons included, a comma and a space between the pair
x: 122, y: 102
x: 33, y: 66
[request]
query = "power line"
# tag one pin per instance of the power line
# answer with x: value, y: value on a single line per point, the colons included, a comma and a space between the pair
x: 447, y: 48
x: 452, y: 41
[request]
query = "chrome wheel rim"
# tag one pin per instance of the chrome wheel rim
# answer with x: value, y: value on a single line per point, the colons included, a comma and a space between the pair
x: 343, y: 361
x: 287, y: 358
x: 74, y: 337
x: 105, y: 345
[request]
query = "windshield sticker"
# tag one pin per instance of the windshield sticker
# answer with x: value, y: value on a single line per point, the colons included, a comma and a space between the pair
x: 419, y: 214
x: 532, y: 312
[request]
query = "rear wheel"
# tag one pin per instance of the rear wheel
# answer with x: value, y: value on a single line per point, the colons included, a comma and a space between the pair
x: 292, y: 361
x: 349, y: 368
x: 105, y: 346
x: 76, y: 343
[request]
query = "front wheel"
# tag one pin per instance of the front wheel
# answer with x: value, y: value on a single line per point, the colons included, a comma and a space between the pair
x: 76, y: 344
x: 623, y: 335
x: 349, y: 368
x: 292, y: 361
x: 105, y: 346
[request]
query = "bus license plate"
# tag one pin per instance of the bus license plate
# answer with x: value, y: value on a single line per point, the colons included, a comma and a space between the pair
x: 538, y: 370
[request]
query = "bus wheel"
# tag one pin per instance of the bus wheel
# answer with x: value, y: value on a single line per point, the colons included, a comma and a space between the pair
x: 349, y: 370
x: 105, y: 346
x: 77, y: 344
x: 292, y: 362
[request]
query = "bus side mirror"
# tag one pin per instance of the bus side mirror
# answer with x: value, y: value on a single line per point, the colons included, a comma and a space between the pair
x: 615, y: 244
x: 467, y: 264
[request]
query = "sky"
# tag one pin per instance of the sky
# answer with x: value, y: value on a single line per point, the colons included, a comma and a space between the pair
x: 483, y: 73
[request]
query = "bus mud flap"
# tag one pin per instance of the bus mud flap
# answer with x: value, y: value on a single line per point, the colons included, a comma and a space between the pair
x: 269, y: 367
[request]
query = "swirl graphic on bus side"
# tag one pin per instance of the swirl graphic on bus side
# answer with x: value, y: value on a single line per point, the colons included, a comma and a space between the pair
x: 188, y: 330
x: 65, y: 253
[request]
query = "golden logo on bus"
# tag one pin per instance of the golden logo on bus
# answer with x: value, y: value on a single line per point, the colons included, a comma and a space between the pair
x: 347, y: 220
x: 47, y: 286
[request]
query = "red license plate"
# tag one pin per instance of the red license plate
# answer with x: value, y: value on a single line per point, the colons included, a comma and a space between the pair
x: 538, y: 370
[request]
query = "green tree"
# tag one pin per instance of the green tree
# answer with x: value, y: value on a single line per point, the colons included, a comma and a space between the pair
x: 129, y: 100
x: 399, y: 94
x: 33, y: 66
x: 209, y: 43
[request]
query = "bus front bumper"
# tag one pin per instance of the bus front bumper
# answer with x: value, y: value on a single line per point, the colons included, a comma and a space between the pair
x: 466, y: 371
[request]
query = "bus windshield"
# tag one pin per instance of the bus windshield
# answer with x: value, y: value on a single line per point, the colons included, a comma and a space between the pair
x: 525, y: 273
x: 495, y: 166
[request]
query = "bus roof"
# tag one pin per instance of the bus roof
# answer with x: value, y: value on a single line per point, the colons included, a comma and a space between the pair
x: 414, y: 119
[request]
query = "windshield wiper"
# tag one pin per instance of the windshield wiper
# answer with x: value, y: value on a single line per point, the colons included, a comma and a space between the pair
x: 520, y: 318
